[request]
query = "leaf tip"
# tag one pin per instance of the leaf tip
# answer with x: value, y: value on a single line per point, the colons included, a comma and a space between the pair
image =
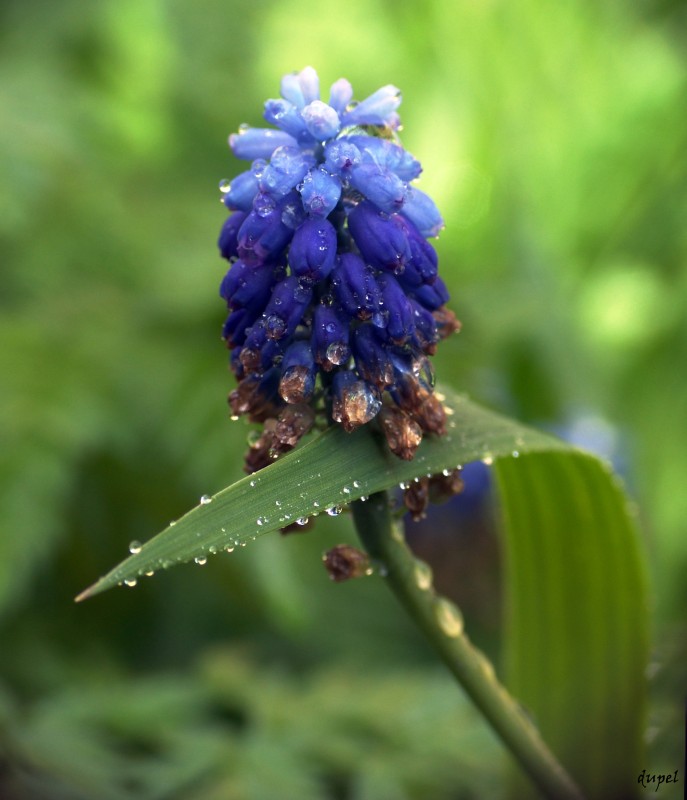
x: 89, y: 592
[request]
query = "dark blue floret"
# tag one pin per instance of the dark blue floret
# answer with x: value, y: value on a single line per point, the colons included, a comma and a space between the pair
x: 432, y: 295
x: 286, y: 169
x: 312, y: 254
x: 320, y: 192
x: 355, y: 286
x: 243, y: 188
x: 330, y: 334
x: 334, y: 298
x: 228, y: 238
x: 340, y: 155
x: 420, y: 209
x: 252, y: 143
x: 372, y: 357
x: 263, y: 236
x: 238, y: 322
x: 386, y: 154
x: 298, y: 373
x: 385, y: 189
x: 287, y: 117
x: 381, y: 239
x: 286, y: 307
x: 398, y: 311
x: 249, y: 286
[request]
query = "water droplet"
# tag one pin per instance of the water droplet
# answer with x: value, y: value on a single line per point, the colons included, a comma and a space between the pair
x: 302, y: 521
x: 422, y: 573
x: 130, y: 581
x: 149, y: 573
x: 252, y: 484
x: 224, y: 185
x: 403, y: 485
x: 334, y: 511
x: 201, y: 560
x: 205, y: 499
x: 229, y: 548
x: 260, y: 521
x: 356, y: 484
x: 135, y: 547
x: 445, y: 472
x: 172, y: 523
x: 364, y: 498
x: 212, y: 549
x: 515, y: 454
x: 315, y: 504
x: 277, y: 503
x: 488, y: 460
x: 346, y: 490
x: 449, y: 617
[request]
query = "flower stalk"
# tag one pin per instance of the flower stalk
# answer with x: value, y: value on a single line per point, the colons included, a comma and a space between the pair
x: 442, y: 624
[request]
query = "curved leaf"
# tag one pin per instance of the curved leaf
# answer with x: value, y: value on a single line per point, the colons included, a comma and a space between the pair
x: 576, y: 614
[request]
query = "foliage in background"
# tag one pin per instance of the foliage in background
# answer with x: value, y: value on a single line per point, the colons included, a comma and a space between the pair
x: 554, y: 142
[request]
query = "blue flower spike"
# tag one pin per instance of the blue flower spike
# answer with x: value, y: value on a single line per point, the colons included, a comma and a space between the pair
x: 333, y: 294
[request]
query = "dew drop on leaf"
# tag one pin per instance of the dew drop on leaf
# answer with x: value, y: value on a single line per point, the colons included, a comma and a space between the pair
x: 135, y: 547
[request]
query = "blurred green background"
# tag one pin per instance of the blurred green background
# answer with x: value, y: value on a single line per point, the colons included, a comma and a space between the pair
x: 553, y: 137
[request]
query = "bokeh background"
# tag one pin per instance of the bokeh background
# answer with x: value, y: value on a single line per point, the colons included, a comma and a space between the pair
x: 553, y: 137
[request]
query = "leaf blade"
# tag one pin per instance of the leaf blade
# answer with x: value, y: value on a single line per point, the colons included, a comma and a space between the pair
x: 576, y: 614
x: 334, y: 468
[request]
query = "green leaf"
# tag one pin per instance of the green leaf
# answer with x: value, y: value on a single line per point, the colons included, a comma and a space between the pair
x: 576, y: 614
x: 328, y: 472
x: 575, y: 588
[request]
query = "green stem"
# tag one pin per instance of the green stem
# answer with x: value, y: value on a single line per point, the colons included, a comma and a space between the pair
x: 442, y: 624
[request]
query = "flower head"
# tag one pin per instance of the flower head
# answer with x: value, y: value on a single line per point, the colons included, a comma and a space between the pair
x: 333, y: 293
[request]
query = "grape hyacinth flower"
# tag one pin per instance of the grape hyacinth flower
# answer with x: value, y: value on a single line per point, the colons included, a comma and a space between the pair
x: 334, y: 299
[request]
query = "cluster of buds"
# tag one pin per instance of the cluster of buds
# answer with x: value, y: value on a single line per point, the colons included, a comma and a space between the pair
x: 334, y: 299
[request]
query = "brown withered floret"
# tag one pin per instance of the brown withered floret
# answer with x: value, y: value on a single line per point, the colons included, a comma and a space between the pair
x: 293, y: 423
x: 416, y: 498
x: 429, y: 413
x: 293, y: 386
x: 248, y: 399
x: 402, y: 433
x: 259, y: 453
x: 447, y: 322
x: 446, y: 485
x: 344, y: 562
x: 357, y: 406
